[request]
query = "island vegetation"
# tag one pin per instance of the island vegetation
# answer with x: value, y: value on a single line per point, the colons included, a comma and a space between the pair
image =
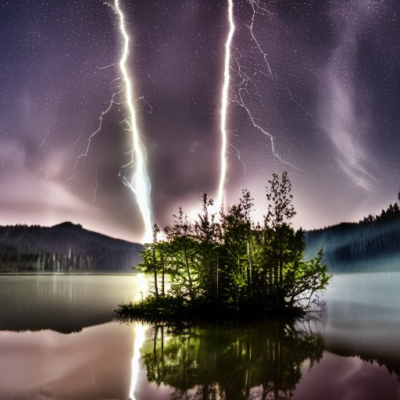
x: 230, y: 267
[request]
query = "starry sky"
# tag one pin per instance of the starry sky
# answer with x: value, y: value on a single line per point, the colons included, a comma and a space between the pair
x: 319, y: 77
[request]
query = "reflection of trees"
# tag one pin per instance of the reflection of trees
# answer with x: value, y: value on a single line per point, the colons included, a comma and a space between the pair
x: 262, y: 362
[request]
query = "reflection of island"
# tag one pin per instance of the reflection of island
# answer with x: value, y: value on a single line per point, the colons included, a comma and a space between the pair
x: 232, y: 363
x: 63, y: 247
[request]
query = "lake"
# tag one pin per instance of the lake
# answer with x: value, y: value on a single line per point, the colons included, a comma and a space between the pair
x: 59, y: 340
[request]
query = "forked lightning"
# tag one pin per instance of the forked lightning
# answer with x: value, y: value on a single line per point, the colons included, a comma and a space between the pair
x: 240, y: 101
x: 139, y: 184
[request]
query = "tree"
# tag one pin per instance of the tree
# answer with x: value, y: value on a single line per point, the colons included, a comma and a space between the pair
x: 149, y: 255
x: 236, y: 228
x: 295, y: 279
x: 182, y: 254
x: 280, y: 212
x: 207, y: 234
x: 234, y: 265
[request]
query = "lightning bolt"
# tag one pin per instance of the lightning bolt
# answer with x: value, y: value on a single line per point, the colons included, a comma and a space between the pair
x: 254, y: 4
x: 224, y: 106
x: 238, y: 156
x: 251, y: 26
x: 241, y: 103
x: 139, y: 184
x: 246, y: 79
x: 103, y: 113
x: 225, y: 96
x: 299, y: 105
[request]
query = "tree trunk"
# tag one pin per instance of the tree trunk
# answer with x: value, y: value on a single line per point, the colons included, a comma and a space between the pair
x: 155, y: 272
x: 163, y: 275
x: 280, y: 287
x: 188, y: 271
x: 249, y: 269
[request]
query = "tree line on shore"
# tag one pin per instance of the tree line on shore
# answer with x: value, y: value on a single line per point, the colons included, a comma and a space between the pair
x: 65, y: 247
x: 356, y: 247
x: 12, y: 260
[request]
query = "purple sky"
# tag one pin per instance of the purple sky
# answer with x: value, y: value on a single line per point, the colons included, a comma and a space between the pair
x: 321, y: 77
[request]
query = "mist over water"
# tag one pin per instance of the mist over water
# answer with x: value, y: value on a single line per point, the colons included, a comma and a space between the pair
x: 70, y: 347
x: 363, y: 317
x: 64, y: 302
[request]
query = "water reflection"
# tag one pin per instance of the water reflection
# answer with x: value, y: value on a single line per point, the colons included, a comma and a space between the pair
x: 360, y: 335
x: 363, y: 317
x: 64, y: 303
x: 262, y: 361
x: 139, y: 340
x: 93, y: 364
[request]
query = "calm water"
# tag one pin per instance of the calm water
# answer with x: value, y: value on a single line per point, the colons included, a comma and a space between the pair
x: 58, y: 340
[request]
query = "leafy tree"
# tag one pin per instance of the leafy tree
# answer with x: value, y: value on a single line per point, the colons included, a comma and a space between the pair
x: 182, y: 254
x: 234, y: 265
x: 150, y: 264
x: 207, y: 235
x: 283, y: 244
x: 235, y: 249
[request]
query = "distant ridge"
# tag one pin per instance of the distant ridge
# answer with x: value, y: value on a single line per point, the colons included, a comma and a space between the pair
x: 62, y: 247
x: 372, y: 244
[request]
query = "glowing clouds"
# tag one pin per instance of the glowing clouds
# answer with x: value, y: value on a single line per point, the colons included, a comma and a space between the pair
x: 345, y: 130
x: 342, y: 115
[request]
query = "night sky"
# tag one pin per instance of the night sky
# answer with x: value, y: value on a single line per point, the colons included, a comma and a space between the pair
x: 321, y: 77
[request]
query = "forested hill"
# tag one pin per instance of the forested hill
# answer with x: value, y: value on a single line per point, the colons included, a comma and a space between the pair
x: 64, y: 247
x: 373, y: 244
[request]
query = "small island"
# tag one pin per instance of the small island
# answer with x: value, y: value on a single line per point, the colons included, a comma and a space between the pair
x: 230, y: 268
